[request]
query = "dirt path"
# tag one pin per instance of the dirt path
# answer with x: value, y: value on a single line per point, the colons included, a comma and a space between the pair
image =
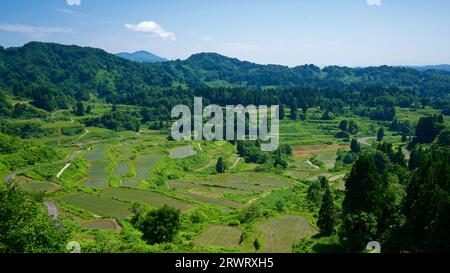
x: 312, y: 165
x: 52, y: 210
x: 62, y: 170
x: 83, y: 135
x: 236, y: 163
x: 337, y: 177
x: 364, y: 140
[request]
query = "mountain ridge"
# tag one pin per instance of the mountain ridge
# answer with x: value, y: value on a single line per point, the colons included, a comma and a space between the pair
x: 78, y: 72
x: 142, y: 56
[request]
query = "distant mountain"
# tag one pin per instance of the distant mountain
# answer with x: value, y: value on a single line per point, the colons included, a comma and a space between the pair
x: 142, y: 57
x: 442, y: 67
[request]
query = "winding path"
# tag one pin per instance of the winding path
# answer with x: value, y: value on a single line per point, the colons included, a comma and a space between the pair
x: 312, y: 165
x: 52, y: 210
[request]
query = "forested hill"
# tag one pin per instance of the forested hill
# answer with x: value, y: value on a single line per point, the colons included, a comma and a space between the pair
x: 59, y: 73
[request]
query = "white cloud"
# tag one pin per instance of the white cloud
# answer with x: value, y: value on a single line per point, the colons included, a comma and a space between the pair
x: 73, y: 2
x: 374, y: 2
x: 33, y: 29
x: 152, y: 28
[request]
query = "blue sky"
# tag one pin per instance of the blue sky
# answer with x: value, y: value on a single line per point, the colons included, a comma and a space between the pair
x: 288, y: 32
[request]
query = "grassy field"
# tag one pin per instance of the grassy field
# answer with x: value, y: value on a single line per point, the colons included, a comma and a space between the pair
x: 105, y: 224
x: 100, y: 206
x: 280, y: 233
x: 36, y: 186
x: 150, y: 198
x: 212, y: 200
x: 219, y: 236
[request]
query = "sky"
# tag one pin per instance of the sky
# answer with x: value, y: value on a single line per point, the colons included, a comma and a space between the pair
x: 287, y: 32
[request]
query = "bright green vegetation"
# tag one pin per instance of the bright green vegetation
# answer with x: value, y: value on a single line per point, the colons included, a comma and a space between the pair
x: 29, y: 185
x: 97, y: 205
x: 281, y: 232
x: 220, y: 236
x: 129, y: 188
x: 153, y: 199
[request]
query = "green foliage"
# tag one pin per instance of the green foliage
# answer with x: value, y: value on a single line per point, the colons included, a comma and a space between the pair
x: 157, y: 226
x: 115, y: 120
x: 380, y: 134
x: 27, y: 111
x: 355, y: 147
x: 358, y: 229
x: 73, y: 130
x: 26, y: 228
x: 221, y: 165
x: 16, y: 153
x: 327, y: 214
x: 79, y: 109
x: 427, y: 205
x: 428, y: 129
x: 250, y: 213
x: 257, y: 244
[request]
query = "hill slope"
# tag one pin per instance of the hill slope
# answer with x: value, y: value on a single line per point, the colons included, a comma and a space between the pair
x: 142, y: 57
x: 57, y: 74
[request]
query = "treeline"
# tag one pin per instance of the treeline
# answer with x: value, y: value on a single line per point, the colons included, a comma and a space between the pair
x: 402, y: 204
x: 56, y: 76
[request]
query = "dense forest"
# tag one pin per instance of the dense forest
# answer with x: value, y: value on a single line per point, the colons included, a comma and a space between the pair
x: 56, y: 76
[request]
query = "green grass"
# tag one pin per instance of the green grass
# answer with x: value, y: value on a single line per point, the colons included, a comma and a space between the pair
x: 281, y: 232
x: 36, y: 186
x: 153, y: 199
x: 104, y: 224
x: 101, y: 206
x: 219, y: 236
x: 216, y: 201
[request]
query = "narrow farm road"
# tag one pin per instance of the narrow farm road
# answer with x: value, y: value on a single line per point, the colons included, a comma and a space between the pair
x: 312, y: 165
x: 52, y: 210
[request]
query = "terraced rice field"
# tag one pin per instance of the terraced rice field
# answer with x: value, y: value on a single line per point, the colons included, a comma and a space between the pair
x: 328, y: 158
x: 96, y: 182
x: 105, y: 224
x: 150, y: 198
x: 219, y: 236
x: 36, y: 186
x: 267, y: 180
x: 98, y: 168
x: 145, y: 164
x: 130, y: 182
x: 182, y: 152
x: 122, y: 169
x: 217, y: 201
x: 257, y: 183
x: 97, y: 153
x: 187, y: 185
x: 281, y: 232
x: 97, y: 205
